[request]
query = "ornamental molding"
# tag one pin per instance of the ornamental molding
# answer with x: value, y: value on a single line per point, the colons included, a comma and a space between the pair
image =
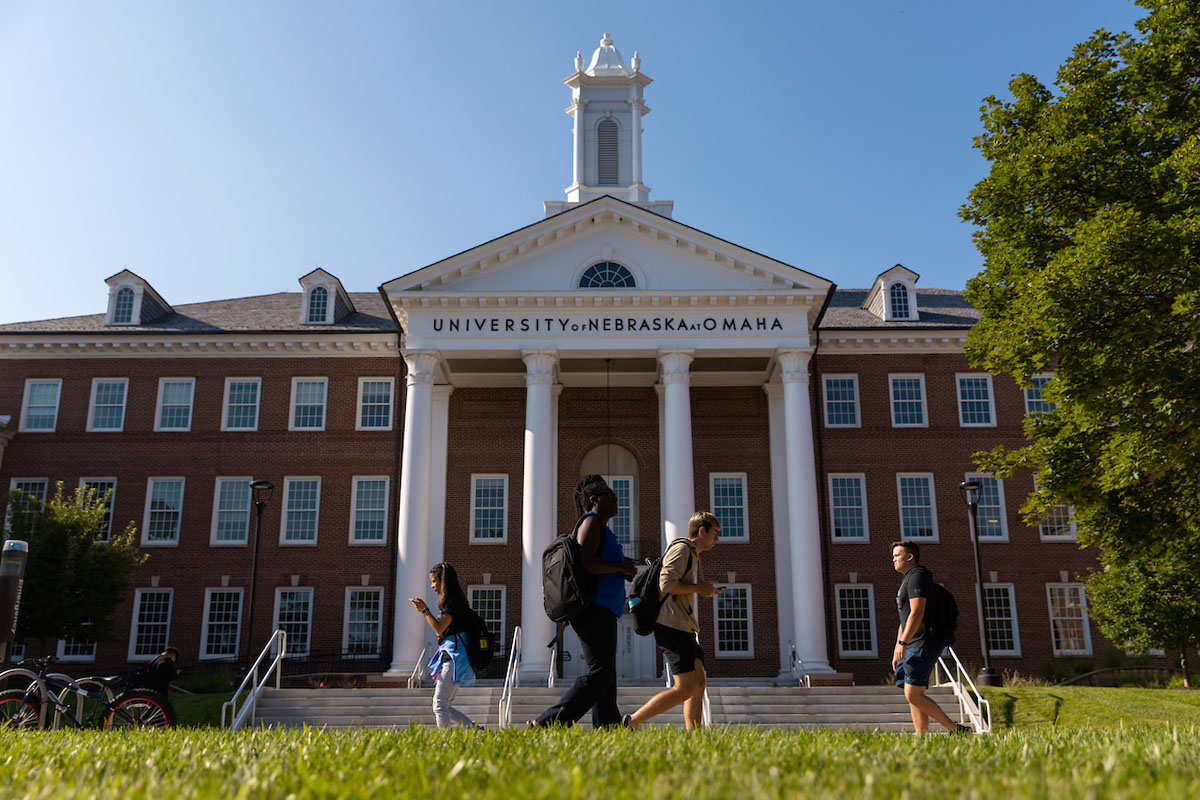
x: 675, y: 365
x: 875, y: 343
x: 539, y: 366
x: 421, y: 366
x: 793, y: 364
x: 324, y: 345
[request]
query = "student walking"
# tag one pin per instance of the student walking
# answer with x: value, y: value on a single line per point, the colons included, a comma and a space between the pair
x: 596, y: 627
x: 449, y: 666
x: 916, y: 652
x: 676, y: 628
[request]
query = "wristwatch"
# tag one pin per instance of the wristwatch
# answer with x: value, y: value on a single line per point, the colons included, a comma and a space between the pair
x: 902, y: 642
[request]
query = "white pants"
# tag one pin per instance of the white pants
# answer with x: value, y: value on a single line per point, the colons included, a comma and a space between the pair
x: 443, y: 695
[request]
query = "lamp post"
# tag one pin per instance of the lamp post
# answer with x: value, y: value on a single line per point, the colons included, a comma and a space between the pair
x: 970, y: 492
x: 261, y: 491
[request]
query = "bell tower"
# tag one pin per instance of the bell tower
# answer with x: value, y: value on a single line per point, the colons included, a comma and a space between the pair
x: 607, y: 109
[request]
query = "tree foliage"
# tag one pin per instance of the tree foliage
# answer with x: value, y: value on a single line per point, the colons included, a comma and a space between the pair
x: 1149, y: 603
x: 1089, y: 226
x: 73, y: 581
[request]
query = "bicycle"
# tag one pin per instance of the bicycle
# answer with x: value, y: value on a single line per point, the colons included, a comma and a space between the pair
x: 29, y: 708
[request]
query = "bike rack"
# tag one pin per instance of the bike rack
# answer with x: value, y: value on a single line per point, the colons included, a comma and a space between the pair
x: 246, y: 714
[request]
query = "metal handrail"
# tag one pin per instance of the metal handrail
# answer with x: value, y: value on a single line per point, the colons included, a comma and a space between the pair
x: 977, y: 709
x: 512, y: 679
x: 552, y: 673
x: 246, y: 714
x: 799, y: 671
x: 414, y: 680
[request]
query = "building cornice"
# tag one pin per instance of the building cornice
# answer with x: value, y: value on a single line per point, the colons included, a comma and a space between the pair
x: 324, y: 345
x: 879, y: 342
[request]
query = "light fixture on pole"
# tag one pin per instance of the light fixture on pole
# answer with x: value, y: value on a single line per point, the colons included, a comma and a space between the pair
x: 261, y: 492
x: 970, y: 490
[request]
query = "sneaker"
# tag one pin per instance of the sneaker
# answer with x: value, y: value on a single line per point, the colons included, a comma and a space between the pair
x: 963, y: 730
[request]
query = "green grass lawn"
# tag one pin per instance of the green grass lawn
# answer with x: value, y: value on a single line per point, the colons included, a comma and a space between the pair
x: 658, y: 763
x: 1086, y: 706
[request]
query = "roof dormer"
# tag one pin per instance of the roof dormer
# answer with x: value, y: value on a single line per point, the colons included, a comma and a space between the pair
x: 133, y: 301
x: 893, y: 296
x: 324, y: 301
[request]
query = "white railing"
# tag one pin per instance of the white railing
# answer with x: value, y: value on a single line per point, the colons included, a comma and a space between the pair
x: 972, y: 707
x: 512, y: 679
x: 417, y: 676
x: 552, y: 674
x: 799, y: 671
x: 278, y: 641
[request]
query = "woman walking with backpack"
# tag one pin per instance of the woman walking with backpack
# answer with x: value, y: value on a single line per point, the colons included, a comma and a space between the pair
x: 449, y: 667
x: 596, y: 626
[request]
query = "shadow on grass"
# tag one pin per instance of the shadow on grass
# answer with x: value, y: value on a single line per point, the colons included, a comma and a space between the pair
x: 1058, y: 703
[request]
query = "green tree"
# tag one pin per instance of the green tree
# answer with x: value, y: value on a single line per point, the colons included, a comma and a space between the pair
x: 1149, y: 603
x: 1089, y: 228
x: 73, y: 581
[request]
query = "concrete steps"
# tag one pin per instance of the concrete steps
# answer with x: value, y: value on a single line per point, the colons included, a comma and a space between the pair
x: 853, y: 707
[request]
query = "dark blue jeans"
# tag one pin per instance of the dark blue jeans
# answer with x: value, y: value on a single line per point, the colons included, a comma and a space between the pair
x: 597, y: 689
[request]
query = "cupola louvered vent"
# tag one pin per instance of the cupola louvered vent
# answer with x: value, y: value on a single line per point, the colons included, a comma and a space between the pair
x: 607, y: 163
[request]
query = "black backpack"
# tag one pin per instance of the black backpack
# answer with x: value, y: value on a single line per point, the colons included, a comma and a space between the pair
x: 481, y: 642
x: 567, y: 589
x: 645, y: 601
x: 943, y: 616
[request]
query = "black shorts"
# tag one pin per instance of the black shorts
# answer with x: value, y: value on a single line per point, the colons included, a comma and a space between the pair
x: 681, y: 646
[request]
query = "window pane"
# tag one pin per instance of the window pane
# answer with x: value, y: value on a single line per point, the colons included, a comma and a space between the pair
x: 908, y: 406
x: 846, y: 496
x: 176, y: 405
x: 898, y: 296
x: 840, y: 407
x: 729, y: 505
x: 363, y: 623
x: 1068, y: 618
x: 376, y: 411
x: 622, y: 524
x: 302, y: 497
x: 166, y: 505
x: 233, y: 511
x: 916, y: 507
x: 109, y: 410
x: 1035, y: 403
x: 489, y: 508
x: 105, y: 492
x: 489, y: 604
x: 123, y: 307
x: 42, y: 410
x: 295, y: 615
x: 243, y: 405
x: 153, y: 622
x: 310, y: 404
x: 1001, y: 633
x: 975, y: 401
x: 318, y: 304
x: 854, y: 620
x: 733, y: 620
x: 991, y: 510
x: 370, y: 511
x: 224, y: 616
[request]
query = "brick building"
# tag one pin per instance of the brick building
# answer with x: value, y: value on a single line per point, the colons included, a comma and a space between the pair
x: 449, y: 416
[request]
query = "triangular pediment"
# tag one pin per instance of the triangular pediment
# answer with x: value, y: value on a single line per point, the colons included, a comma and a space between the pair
x: 662, y: 255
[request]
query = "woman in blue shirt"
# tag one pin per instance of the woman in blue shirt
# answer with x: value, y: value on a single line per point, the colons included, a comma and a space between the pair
x: 449, y: 667
x: 597, y: 626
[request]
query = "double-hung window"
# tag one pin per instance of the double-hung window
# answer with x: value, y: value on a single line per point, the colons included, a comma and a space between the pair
x: 151, y: 628
x: 39, y: 407
x: 104, y: 491
x: 489, y: 509
x: 231, y: 511
x: 991, y: 523
x: 841, y: 401
x: 907, y: 393
x: 975, y: 406
x: 308, y: 404
x: 734, y: 622
x: 301, y: 508
x: 293, y: 616
x: 107, y: 411
x: 488, y: 602
x: 856, y: 620
x: 240, y: 409
x: 728, y: 492
x: 1069, y: 619
x: 174, y: 412
x: 1035, y: 400
x: 363, y: 626
x: 918, y: 506
x: 1003, y: 637
x: 164, y: 512
x: 369, y: 504
x: 76, y: 650
x: 221, y: 630
x: 375, y: 404
x: 848, y: 507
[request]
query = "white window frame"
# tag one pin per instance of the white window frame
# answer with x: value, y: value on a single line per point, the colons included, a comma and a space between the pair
x: 158, y: 406
x: 472, y: 538
x: 225, y: 404
x: 358, y: 406
x: 1087, y: 633
x: 312, y: 602
x: 283, y: 517
x: 712, y: 497
x: 1042, y: 376
x: 920, y: 378
x: 378, y: 590
x: 853, y: 378
x: 29, y: 382
x: 387, y: 489
x: 153, y: 479
x: 133, y: 627
x: 932, y: 505
x: 614, y: 482
x: 112, y: 500
x: 866, y: 537
x: 980, y: 476
x: 330, y: 302
x: 92, y: 405
x: 204, y: 625
x: 1012, y: 611
x: 213, y: 541
x: 324, y: 403
x: 717, y: 651
x: 12, y: 484
x: 471, y: 589
x: 991, y: 399
x: 837, y: 600
x: 61, y: 654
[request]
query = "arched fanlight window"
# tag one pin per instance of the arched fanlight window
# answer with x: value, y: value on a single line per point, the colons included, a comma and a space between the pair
x: 318, y: 304
x: 899, y: 300
x: 606, y: 275
x: 123, y: 307
x: 607, y: 162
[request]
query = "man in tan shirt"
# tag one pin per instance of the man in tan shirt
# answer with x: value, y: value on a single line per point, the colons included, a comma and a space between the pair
x: 676, y: 628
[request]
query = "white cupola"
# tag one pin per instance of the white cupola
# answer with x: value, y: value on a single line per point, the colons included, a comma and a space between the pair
x: 607, y: 108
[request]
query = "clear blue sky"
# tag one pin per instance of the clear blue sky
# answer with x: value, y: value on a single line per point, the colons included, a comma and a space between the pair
x: 222, y: 149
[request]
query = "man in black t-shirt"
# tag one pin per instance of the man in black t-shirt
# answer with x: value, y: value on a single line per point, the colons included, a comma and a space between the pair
x: 158, y: 674
x: 915, y: 653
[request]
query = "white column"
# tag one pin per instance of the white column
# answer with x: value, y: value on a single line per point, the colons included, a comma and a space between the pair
x: 412, y: 538
x: 786, y: 617
x: 808, y: 595
x: 678, y: 480
x: 578, y: 105
x: 635, y: 149
x: 537, y: 509
x: 437, y: 475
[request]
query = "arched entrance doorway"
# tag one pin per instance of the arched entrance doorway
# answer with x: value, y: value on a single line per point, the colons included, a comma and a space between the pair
x: 635, y: 654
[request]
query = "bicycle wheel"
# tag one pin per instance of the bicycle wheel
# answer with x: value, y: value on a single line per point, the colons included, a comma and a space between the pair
x: 140, y: 709
x: 18, y: 713
x: 89, y: 712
